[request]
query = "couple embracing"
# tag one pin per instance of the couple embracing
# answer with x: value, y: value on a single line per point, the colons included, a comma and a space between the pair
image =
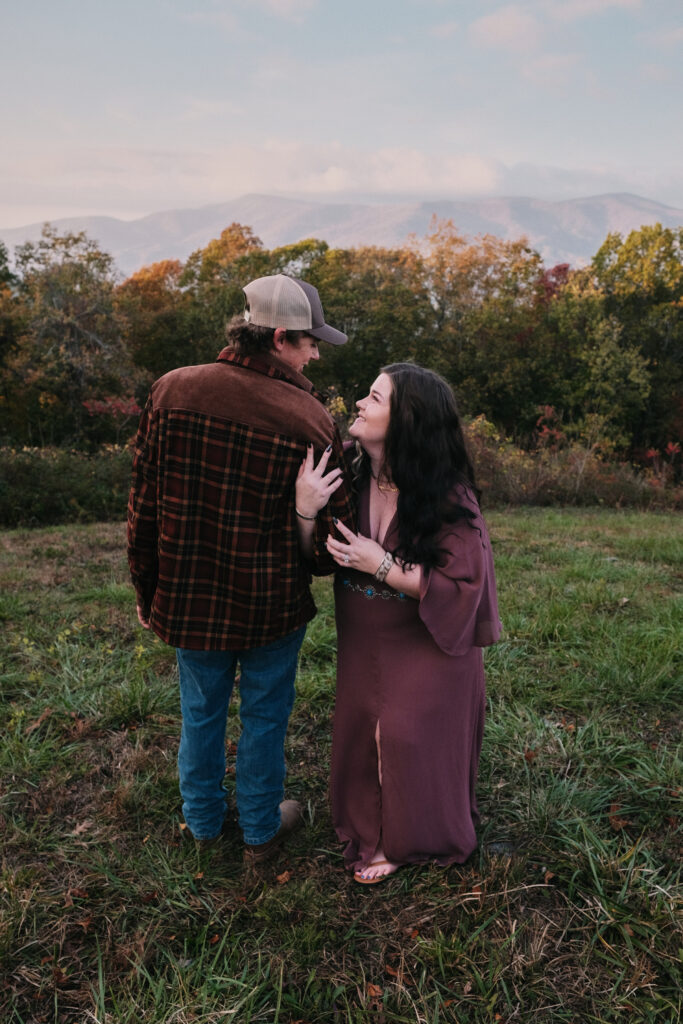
x: 241, y: 489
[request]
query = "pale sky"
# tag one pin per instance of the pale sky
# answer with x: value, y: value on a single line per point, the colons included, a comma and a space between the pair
x: 128, y: 107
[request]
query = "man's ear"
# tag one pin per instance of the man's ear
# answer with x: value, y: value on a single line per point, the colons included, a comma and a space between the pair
x: 279, y: 338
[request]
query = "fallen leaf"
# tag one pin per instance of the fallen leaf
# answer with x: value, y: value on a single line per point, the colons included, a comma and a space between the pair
x: 85, y: 923
x: 213, y: 940
x: 283, y: 878
x: 375, y: 992
x: 530, y: 755
x: 39, y: 721
x: 548, y: 875
x: 467, y: 989
x: 615, y: 821
x: 83, y: 827
x: 392, y: 971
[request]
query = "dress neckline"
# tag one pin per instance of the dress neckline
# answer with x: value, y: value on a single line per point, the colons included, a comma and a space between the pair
x: 364, y: 517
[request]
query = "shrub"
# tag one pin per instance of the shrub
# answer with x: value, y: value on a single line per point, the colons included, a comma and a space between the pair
x: 46, y: 486
x: 575, y: 474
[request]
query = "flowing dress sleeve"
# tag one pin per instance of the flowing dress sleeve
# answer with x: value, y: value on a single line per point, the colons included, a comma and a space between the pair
x: 458, y: 601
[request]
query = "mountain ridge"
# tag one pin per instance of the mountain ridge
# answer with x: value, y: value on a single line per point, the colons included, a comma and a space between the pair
x: 562, y: 231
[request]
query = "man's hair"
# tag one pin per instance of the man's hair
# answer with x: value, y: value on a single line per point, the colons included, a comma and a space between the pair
x: 250, y: 340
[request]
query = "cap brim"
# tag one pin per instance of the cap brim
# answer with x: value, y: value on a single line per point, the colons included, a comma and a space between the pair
x: 328, y: 334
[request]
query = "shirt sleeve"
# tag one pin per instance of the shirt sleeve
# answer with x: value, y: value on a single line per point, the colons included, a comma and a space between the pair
x: 143, y: 559
x: 458, y: 602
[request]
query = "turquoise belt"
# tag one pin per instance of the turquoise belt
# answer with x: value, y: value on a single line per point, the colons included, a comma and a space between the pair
x: 369, y: 591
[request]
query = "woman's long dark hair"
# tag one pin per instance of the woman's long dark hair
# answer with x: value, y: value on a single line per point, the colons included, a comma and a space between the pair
x: 425, y: 456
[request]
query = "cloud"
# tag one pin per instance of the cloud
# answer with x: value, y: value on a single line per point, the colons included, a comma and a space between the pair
x: 127, y: 183
x: 207, y: 109
x: 667, y: 38
x: 408, y: 170
x: 228, y: 21
x: 326, y: 170
x: 224, y: 20
x: 131, y: 182
x: 657, y: 73
x: 444, y: 30
x: 291, y: 10
x: 571, y: 10
x: 552, y: 70
x: 508, y: 28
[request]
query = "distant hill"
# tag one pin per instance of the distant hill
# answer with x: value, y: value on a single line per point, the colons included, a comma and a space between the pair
x: 567, y: 231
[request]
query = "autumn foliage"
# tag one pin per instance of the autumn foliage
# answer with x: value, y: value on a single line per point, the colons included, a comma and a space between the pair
x: 600, y: 346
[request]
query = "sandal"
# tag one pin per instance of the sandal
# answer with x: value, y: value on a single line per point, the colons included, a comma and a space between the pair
x: 358, y: 876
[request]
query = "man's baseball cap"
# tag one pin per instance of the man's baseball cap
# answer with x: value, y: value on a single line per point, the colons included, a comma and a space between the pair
x: 282, y: 301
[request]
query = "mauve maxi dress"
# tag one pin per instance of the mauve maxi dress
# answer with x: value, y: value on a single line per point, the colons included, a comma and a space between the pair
x: 416, y: 668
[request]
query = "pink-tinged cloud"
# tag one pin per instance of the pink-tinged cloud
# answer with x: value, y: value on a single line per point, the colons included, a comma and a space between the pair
x: 509, y: 28
x: 571, y: 10
x: 293, y: 10
x: 445, y: 30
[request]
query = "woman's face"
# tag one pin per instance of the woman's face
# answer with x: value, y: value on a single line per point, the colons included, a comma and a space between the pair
x: 372, y: 423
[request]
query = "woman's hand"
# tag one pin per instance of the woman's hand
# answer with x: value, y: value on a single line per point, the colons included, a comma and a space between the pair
x: 358, y: 552
x: 313, y: 486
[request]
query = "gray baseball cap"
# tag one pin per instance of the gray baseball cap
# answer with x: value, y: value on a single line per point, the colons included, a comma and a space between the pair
x: 282, y: 301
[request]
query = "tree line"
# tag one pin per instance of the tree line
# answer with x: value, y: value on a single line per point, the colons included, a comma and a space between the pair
x: 592, y: 355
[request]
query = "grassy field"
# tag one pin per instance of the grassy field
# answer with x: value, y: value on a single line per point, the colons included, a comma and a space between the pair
x: 568, y: 912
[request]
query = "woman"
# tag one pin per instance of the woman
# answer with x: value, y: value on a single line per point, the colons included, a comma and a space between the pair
x: 415, y: 603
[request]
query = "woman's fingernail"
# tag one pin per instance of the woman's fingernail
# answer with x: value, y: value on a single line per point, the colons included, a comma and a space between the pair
x: 335, y: 520
x: 329, y: 448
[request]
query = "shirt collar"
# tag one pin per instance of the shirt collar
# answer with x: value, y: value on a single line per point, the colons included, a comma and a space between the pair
x: 268, y: 364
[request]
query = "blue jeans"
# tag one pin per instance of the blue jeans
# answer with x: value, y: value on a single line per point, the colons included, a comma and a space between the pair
x: 266, y: 688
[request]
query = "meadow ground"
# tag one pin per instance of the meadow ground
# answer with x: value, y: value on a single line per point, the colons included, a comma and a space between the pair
x: 568, y: 912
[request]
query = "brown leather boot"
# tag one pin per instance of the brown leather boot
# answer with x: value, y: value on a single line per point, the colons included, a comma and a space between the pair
x: 291, y: 818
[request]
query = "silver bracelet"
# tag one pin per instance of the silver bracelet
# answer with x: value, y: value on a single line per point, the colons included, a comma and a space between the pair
x: 302, y: 516
x: 384, y: 567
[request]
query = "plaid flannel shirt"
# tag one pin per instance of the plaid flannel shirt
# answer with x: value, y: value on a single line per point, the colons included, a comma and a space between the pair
x: 212, y: 535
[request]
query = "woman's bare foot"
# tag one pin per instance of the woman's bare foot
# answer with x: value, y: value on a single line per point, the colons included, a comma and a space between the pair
x: 377, y: 869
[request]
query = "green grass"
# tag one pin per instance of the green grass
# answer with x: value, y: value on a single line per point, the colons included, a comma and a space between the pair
x: 568, y: 912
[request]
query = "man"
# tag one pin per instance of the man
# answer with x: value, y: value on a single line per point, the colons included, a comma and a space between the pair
x: 213, y: 548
